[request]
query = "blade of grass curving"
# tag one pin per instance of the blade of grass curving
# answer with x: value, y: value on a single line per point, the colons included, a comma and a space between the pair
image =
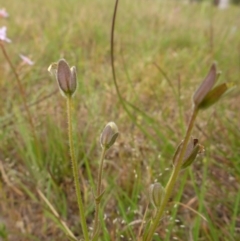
x: 122, y: 101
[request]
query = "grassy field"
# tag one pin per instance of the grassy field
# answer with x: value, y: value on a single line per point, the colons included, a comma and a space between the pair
x: 163, y: 51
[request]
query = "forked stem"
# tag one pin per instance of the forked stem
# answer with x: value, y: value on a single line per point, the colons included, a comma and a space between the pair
x: 75, y: 170
x: 173, y: 178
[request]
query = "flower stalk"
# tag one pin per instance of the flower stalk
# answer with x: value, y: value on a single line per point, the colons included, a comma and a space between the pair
x: 205, y: 96
x: 173, y: 178
x: 67, y: 82
x: 98, y: 194
x: 107, y: 139
x: 75, y: 170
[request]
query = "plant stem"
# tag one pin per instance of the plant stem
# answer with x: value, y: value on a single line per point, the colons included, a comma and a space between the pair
x: 99, y: 183
x: 75, y: 171
x: 173, y: 178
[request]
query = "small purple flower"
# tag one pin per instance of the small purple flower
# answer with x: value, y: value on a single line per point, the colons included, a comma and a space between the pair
x: 26, y: 60
x: 3, y: 13
x: 3, y: 35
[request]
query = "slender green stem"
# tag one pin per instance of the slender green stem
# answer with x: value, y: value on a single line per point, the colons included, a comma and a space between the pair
x: 173, y: 178
x: 99, y: 184
x: 75, y: 171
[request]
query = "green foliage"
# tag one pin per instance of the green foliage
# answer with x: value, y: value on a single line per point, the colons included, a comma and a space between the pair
x: 3, y: 232
x: 162, y: 51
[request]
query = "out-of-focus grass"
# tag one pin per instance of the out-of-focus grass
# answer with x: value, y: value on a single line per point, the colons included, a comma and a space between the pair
x: 183, y: 40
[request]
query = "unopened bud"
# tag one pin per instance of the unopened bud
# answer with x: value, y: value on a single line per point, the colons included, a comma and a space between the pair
x: 213, y: 96
x: 109, y: 135
x: 206, y: 95
x: 206, y: 85
x: 156, y: 193
x: 192, y: 150
x: 66, y: 77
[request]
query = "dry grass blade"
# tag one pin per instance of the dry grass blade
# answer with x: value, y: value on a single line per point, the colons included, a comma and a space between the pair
x: 194, y: 211
x: 7, y: 181
x: 55, y: 213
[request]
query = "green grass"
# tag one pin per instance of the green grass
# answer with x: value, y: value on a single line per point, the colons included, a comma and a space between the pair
x: 183, y: 40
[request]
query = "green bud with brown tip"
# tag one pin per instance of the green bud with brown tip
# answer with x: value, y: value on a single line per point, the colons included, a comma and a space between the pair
x: 109, y: 135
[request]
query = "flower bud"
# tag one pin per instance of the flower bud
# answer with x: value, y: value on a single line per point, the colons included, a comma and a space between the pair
x: 156, y: 193
x: 192, y: 150
x: 205, y: 95
x: 109, y: 135
x: 66, y: 77
x: 206, y: 85
x: 213, y: 96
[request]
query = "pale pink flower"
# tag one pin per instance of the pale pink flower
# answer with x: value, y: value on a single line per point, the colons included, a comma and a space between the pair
x: 26, y: 60
x: 3, y: 13
x: 3, y: 34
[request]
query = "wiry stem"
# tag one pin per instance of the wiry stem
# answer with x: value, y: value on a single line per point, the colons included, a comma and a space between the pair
x: 173, y: 178
x: 97, y: 198
x: 75, y: 171
x: 121, y: 99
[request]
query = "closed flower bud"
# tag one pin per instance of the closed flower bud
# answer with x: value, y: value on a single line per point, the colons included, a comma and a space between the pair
x: 193, y: 149
x: 109, y: 135
x: 213, y: 96
x: 156, y: 193
x: 206, y: 85
x: 206, y: 95
x: 66, y: 77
